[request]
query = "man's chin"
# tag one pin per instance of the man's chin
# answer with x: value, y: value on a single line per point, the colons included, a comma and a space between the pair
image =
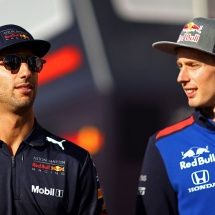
x: 22, y: 106
x: 193, y: 103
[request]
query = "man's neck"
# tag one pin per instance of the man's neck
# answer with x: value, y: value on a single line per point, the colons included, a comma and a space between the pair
x: 15, y: 128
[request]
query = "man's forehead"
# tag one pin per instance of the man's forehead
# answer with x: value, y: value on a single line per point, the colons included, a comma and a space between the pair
x: 196, y: 55
x: 191, y: 52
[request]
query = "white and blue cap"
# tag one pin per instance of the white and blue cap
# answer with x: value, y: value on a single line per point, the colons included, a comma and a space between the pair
x: 12, y: 36
x: 198, y: 34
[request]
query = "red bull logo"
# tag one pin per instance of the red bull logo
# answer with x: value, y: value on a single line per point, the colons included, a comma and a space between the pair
x: 40, y: 166
x: 24, y: 36
x: 200, y: 157
x: 194, y: 152
x: 11, y: 36
x: 189, y: 38
x: 192, y: 27
x: 57, y: 168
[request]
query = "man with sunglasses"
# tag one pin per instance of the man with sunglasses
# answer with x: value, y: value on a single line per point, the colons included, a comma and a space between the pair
x: 178, y: 171
x: 40, y: 173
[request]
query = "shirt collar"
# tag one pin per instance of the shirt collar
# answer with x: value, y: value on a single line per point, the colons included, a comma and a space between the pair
x: 37, y: 135
x: 202, y: 120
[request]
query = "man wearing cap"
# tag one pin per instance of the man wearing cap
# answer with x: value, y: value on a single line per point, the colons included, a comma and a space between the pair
x: 178, y: 171
x: 40, y: 172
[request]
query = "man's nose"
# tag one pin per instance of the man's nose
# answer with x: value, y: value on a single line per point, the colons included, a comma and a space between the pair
x: 24, y: 70
x: 183, y: 75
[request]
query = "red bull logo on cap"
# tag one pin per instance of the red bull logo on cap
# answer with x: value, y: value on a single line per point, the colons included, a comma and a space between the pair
x: 24, y: 36
x: 188, y: 36
x: 191, y: 27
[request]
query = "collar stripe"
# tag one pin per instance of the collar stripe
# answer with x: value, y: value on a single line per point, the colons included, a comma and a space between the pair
x: 175, y: 127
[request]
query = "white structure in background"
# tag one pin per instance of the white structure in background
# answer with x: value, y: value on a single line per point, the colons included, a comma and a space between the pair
x: 44, y: 19
x: 160, y: 11
x: 94, y: 46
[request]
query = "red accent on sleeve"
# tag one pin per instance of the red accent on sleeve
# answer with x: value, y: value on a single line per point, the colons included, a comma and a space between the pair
x: 175, y: 127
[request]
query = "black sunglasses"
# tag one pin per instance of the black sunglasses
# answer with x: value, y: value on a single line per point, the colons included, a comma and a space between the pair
x: 13, y: 62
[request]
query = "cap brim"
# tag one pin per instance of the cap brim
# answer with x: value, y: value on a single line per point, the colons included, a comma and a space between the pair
x: 39, y: 47
x: 170, y: 47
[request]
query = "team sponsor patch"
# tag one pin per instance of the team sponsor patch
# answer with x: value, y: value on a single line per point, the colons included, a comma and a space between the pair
x: 57, y: 168
x: 188, y: 29
x: 141, y: 191
x: 48, y: 166
x: 192, y: 27
x: 100, y: 193
x: 60, y: 143
x: 142, y: 178
x: 200, y: 181
x: 196, y: 156
x: 195, y: 152
x: 189, y: 38
x: 11, y: 34
x: 47, y: 191
x: 50, y: 161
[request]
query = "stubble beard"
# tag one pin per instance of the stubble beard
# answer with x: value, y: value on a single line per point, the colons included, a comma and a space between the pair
x: 17, y: 105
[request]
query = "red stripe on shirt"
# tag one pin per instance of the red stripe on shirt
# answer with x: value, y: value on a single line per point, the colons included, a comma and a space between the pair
x: 175, y: 127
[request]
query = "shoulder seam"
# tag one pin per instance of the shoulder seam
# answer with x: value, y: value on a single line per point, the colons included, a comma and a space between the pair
x: 176, y: 127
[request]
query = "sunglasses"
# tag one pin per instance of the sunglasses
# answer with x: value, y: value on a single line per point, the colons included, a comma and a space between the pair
x: 13, y: 62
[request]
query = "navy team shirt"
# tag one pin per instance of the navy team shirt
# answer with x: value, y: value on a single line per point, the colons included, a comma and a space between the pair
x: 178, y: 171
x: 49, y: 176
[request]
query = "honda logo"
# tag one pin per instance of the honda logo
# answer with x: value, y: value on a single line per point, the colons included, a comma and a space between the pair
x: 200, y: 177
